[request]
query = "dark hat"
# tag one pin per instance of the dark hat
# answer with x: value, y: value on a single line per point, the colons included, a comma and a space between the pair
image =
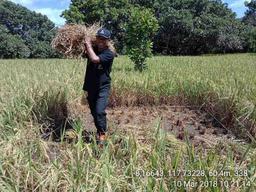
x: 104, y: 33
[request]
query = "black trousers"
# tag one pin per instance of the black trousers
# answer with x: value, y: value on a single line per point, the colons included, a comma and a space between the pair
x: 98, y: 100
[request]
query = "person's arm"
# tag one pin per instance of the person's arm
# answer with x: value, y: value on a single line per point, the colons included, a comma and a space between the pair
x: 90, y: 52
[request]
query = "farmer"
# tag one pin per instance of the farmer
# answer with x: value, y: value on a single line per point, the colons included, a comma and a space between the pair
x: 97, y: 81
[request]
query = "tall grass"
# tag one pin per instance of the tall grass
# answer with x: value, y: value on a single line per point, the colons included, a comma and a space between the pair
x: 33, y: 90
x: 224, y: 86
x: 30, y: 164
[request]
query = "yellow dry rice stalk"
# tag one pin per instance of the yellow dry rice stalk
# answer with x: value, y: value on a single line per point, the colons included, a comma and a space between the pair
x: 70, y: 39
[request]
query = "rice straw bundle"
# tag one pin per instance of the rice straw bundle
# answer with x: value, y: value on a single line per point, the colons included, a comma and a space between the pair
x: 70, y: 39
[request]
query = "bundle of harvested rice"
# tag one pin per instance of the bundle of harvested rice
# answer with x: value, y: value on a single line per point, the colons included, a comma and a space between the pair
x: 70, y: 39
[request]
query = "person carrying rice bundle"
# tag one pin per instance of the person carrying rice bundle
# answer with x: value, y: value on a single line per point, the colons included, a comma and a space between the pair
x: 97, y: 81
x: 94, y: 43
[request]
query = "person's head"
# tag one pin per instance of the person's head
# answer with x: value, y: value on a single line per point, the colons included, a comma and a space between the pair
x: 102, y: 38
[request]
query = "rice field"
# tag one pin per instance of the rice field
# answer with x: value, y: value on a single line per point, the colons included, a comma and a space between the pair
x: 221, y: 85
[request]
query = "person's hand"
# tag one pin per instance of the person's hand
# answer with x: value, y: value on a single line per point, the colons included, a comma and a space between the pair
x: 88, y: 41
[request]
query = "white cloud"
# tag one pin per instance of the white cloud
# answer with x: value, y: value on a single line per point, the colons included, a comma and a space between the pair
x: 51, y: 8
x: 238, y: 3
x: 24, y: 2
x: 52, y: 14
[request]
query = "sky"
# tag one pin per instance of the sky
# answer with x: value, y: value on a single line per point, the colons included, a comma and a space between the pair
x: 53, y: 8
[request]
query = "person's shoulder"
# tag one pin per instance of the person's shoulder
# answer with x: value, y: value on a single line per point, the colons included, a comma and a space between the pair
x: 109, y: 52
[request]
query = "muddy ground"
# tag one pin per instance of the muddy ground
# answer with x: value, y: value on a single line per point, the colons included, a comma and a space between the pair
x: 200, y: 127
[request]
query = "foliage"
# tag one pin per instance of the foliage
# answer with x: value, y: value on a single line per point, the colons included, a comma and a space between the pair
x: 230, y: 38
x: 29, y: 33
x: 12, y: 46
x: 251, y: 39
x: 117, y: 15
x: 139, y: 31
x: 186, y: 27
x: 250, y: 20
x: 250, y: 14
x: 195, y: 27
x: 112, y: 14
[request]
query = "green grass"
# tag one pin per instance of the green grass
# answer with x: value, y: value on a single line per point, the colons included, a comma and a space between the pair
x: 223, y: 85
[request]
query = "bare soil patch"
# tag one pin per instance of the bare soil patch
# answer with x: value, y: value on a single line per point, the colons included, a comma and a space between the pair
x: 181, y: 121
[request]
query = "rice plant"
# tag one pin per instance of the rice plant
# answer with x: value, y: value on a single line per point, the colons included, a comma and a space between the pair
x: 32, y: 91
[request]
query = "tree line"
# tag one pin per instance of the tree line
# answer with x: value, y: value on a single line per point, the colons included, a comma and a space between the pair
x: 24, y: 33
x: 186, y: 27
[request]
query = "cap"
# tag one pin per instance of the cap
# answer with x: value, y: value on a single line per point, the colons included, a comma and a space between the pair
x: 104, y: 33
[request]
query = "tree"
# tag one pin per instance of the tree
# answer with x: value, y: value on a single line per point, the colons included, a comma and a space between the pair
x: 112, y: 14
x: 139, y: 31
x: 26, y: 29
x: 250, y: 14
x: 252, y: 40
x: 122, y: 18
x: 187, y: 27
x: 194, y: 27
x: 250, y: 20
x: 12, y: 46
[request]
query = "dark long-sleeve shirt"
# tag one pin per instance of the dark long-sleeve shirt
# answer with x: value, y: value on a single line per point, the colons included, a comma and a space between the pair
x: 98, y: 75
